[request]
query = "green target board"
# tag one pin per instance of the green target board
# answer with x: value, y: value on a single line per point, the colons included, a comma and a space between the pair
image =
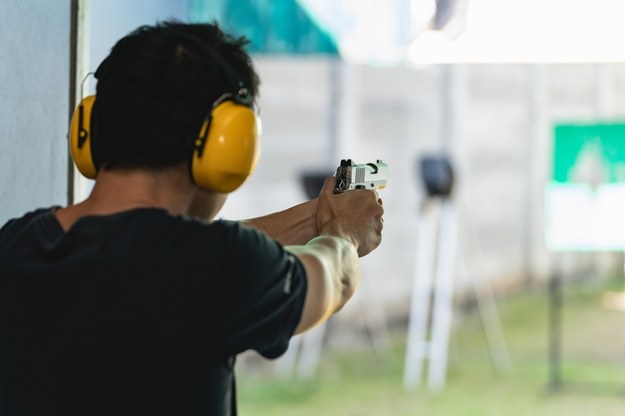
x: 585, y: 199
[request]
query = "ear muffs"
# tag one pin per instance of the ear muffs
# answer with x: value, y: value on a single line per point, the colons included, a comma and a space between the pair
x: 225, y: 153
x: 80, y: 137
x: 228, y: 147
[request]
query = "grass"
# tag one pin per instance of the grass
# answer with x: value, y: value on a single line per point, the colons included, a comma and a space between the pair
x: 351, y: 382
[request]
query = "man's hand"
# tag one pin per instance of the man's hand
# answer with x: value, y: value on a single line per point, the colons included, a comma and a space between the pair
x: 355, y: 215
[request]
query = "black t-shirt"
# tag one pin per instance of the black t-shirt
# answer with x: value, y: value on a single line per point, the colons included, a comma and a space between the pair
x: 137, y: 313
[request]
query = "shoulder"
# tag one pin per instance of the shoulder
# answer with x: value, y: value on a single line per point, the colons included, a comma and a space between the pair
x: 26, y: 217
x: 250, y: 246
x: 253, y: 259
x: 15, y: 224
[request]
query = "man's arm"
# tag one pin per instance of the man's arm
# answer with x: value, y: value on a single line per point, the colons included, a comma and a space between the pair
x: 332, y: 274
x: 350, y: 226
x: 293, y: 226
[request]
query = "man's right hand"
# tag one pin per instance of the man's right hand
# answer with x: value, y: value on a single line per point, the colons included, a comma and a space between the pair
x: 355, y: 215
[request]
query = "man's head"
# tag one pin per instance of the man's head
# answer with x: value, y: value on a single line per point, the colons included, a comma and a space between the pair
x: 155, y: 89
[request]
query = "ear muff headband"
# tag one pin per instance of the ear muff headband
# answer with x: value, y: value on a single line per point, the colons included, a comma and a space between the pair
x: 228, y: 147
x: 80, y: 137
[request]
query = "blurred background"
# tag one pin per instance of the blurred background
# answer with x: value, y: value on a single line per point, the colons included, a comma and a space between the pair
x: 502, y: 293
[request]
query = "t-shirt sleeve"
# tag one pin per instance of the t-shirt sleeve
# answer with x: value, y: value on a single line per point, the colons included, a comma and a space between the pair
x: 264, y: 292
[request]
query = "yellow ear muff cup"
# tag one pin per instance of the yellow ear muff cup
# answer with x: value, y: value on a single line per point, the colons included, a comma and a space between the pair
x: 80, y: 137
x: 231, y: 150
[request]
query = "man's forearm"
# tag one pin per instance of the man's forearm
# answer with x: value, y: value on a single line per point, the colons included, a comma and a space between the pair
x: 293, y: 226
x: 332, y: 274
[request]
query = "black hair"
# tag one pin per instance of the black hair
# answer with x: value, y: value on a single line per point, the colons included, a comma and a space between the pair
x: 156, y: 87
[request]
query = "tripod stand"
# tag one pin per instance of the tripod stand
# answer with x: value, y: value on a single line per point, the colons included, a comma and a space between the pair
x: 432, y: 300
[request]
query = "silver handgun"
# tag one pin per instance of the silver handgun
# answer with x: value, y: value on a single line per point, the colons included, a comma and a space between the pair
x: 352, y: 175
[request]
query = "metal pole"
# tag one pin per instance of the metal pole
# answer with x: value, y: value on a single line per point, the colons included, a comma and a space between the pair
x: 73, y: 65
x: 555, y: 328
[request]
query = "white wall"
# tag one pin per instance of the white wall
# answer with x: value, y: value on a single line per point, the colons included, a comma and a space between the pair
x: 34, y: 104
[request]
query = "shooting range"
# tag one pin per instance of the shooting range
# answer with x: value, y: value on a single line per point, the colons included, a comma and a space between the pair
x: 499, y: 285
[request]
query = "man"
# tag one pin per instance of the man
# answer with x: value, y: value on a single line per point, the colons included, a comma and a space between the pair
x: 135, y: 301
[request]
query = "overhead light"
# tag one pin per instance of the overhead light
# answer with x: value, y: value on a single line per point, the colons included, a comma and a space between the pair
x: 530, y: 31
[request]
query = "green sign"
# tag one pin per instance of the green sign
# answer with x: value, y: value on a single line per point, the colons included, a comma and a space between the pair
x: 589, y: 154
x: 585, y: 201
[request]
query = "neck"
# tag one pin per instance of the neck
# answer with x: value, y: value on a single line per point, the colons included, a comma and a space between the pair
x: 122, y: 190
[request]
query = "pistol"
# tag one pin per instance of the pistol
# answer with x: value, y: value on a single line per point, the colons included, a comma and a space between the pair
x: 352, y: 175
